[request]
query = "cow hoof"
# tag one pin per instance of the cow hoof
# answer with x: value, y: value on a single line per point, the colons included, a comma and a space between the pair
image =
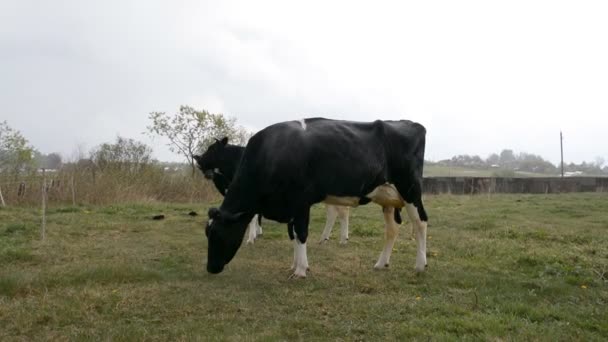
x: 420, y: 269
x: 344, y: 242
x: 297, y: 275
x: 323, y: 240
x: 381, y: 266
x: 250, y: 242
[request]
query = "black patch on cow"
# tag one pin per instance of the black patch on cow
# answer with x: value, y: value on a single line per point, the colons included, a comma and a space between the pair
x: 364, y: 200
x: 398, y: 216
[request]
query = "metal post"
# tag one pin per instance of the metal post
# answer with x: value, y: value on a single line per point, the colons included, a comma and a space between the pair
x: 43, y: 227
x: 561, y: 146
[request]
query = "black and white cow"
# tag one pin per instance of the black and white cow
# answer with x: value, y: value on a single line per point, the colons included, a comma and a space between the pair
x: 220, y: 162
x: 289, y: 166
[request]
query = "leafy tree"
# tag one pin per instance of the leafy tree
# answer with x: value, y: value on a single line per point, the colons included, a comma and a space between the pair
x: 125, y: 155
x: 189, y: 131
x: 507, y: 159
x: 53, y: 161
x: 16, y: 154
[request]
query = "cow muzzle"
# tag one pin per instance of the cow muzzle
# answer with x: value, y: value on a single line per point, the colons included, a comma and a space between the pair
x: 215, y: 268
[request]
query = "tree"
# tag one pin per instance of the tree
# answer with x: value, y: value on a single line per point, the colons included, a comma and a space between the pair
x: 189, y: 131
x: 126, y: 155
x: 16, y: 154
x: 53, y: 161
x: 507, y: 159
x: 48, y: 161
x: 493, y: 159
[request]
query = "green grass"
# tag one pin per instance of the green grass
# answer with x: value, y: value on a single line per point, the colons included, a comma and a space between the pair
x: 514, y: 267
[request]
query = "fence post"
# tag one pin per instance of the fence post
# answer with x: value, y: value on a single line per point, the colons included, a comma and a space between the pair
x: 2, y: 198
x: 73, y: 191
x: 43, y: 227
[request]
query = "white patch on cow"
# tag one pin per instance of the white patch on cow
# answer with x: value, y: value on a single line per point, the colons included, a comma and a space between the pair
x: 300, y: 259
x: 343, y: 213
x: 303, y: 123
x: 210, y: 221
x: 420, y: 227
x: 217, y: 171
x: 253, y: 230
x: 385, y: 195
x: 333, y: 212
x: 390, y: 234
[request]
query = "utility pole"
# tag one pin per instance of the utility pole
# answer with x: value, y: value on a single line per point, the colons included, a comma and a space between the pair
x: 561, y: 146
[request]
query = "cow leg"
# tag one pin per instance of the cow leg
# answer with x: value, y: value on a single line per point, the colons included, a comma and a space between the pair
x: 252, y: 230
x: 390, y: 234
x: 300, y: 229
x: 411, y: 191
x: 420, y: 227
x: 343, y: 213
x: 259, y: 224
x: 332, y: 213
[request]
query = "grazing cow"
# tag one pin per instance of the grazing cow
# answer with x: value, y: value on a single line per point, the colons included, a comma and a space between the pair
x: 220, y: 162
x: 289, y: 166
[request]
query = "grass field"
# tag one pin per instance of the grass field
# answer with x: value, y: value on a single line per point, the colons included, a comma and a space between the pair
x: 505, y: 267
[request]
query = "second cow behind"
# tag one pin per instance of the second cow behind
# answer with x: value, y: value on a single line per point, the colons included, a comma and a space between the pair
x: 219, y: 164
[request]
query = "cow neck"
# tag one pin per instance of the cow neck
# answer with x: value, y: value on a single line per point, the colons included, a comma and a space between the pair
x: 240, y: 197
x: 231, y: 161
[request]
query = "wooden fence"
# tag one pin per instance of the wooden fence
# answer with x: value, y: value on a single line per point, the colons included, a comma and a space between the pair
x: 544, y: 185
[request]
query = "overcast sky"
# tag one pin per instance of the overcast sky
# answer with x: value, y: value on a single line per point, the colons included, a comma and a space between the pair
x: 480, y: 75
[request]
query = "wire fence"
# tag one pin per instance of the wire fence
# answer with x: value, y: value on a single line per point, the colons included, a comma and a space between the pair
x: 75, y: 187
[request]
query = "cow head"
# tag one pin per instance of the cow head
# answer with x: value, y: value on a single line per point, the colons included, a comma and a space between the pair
x: 224, y: 236
x: 211, y: 159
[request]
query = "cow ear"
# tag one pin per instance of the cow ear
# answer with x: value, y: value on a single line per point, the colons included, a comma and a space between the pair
x: 224, y: 141
x: 213, y: 213
x: 196, y: 157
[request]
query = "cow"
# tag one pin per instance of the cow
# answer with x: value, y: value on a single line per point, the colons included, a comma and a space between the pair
x: 289, y: 166
x: 219, y: 164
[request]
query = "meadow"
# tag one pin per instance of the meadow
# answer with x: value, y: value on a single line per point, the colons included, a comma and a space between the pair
x: 500, y: 267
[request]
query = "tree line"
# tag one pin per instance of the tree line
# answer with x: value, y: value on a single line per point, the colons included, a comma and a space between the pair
x: 189, y: 131
x: 508, y: 160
